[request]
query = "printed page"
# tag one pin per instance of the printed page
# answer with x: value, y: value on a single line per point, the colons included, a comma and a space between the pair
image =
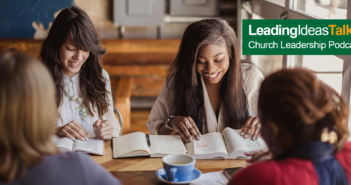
x: 210, y: 143
x: 65, y: 143
x: 133, y: 142
x: 235, y: 142
x: 95, y: 146
x: 166, y: 144
x: 211, y: 179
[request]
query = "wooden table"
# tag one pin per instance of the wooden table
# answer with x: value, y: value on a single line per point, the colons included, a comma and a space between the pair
x: 142, y: 170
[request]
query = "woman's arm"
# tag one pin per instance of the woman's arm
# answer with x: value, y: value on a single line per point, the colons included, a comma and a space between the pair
x: 109, y: 126
x: 252, y: 78
x: 160, y: 112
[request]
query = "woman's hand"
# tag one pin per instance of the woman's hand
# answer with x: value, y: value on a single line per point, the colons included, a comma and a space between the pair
x: 72, y: 130
x: 103, y: 129
x: 186, y: 128
x: 251, y: 127
x: 259, y: 156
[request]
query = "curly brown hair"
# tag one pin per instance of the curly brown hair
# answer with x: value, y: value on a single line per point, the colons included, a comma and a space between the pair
x: 302, y: 104
x: 76, y: 23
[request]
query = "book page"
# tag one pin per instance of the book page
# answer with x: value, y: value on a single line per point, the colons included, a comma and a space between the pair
x: 211, y: 178
x: 132, y: 142
x: 94, y: 146
x: 166, y: 144
x: 235, y: 142
x: 210, y: 143
x: 65, y: 143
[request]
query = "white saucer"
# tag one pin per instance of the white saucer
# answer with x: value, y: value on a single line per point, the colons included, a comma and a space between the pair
x: 162, y: 176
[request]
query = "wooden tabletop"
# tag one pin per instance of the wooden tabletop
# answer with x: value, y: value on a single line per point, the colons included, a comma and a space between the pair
x: 142, y: 170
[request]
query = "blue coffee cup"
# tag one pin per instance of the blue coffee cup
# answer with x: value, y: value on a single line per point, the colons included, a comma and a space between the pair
x: 178, y: 167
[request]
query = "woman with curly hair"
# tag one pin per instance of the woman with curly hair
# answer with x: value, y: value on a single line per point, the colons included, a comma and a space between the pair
x: 304, y: 123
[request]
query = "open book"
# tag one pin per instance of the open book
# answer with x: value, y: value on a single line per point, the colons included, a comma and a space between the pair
x: 93, y: 146
x: 229, y: 145
x: 136, y: 145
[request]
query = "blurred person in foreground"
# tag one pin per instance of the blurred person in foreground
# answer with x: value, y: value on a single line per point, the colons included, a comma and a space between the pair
x: 304, y: 123
x: 27, y: 120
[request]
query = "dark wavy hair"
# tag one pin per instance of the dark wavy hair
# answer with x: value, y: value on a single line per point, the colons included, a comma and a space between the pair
x: 189, y: 98
x: 76, y: 23
x: 302, y: 104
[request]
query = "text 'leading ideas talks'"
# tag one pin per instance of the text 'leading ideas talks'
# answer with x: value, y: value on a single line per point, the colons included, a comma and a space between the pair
x: 296, y: 37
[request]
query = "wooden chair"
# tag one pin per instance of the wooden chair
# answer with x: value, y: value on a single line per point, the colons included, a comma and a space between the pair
x: 122, y: 100
x: 119, y: 118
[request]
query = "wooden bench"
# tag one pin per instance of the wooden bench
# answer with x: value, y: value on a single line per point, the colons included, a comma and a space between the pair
x: 137, y: 68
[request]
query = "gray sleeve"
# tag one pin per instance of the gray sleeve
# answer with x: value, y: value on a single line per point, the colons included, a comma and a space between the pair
x: 94, y: 173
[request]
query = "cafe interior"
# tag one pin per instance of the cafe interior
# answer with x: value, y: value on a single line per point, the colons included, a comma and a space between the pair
x: 142, y: 38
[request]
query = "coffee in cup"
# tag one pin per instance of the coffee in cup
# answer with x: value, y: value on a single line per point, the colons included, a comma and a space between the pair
x: 178, y: 167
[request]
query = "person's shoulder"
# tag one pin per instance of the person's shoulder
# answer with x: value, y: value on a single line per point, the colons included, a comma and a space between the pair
x: 168, y: 85
x: 250, y: 69
x: 95, y: 173
x: 170, y: 77
x: 344, y: 156
x: 82, y: 167
x: 347, y: 147
x: 105, y: 75
x: 264, y: 173
x: 64, y: 156
x: 67, y: 158
x: 345, y: 151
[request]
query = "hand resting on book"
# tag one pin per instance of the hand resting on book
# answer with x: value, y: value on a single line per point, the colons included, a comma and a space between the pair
x: 186, y: 128
x: 72, y: 130
x: 251, y: 128
x: 103, y: 130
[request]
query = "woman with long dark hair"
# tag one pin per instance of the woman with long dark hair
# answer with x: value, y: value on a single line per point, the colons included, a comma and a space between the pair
x: 72, y: 52
x: 208, y: 87
x: 304, y: 123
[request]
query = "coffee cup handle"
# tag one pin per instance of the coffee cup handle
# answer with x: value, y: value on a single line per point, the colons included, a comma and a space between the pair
x: 172, y: 174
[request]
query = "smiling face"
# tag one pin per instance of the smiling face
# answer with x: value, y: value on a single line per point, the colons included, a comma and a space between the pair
x: 71, y: 57
x: 212, y: 62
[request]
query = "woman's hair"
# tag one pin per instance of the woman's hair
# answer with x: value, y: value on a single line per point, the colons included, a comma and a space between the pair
x: 302, y: 104
x: 187, y: 85
x: 27, y: 114
x: 76, y: 23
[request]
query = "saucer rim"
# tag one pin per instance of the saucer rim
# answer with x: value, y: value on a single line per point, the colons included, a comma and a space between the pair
x: 176, y: 182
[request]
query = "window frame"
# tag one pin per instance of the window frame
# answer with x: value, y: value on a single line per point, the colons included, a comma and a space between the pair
x: 289, y: 61
x: 275, y: 10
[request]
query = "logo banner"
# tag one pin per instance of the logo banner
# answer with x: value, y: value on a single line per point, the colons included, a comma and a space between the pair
x: 296, y: 37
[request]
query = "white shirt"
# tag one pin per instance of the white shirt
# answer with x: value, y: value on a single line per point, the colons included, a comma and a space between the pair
x: 69, y: 110
x: 162, y: 108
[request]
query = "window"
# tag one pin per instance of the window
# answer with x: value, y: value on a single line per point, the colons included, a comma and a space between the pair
x: 326, y: 9
x: 333, y: 70
x: 327, y: 68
